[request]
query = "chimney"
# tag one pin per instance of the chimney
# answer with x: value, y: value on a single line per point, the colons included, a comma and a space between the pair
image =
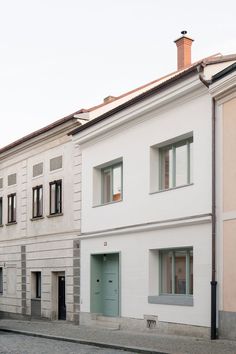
x: 183, y: 44
x: 109, y: 99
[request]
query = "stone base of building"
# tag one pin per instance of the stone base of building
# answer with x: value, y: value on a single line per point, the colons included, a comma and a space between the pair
x: 24, y: 317
x: 148, y: 323
x: 227, y: 325
x: 14, y: 316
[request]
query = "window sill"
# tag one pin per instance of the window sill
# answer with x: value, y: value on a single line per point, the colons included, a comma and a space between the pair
x: 11, y: 223
x: 36, y: 299
x: 109, y: 203
x: 179, y: 300
x: 54, y: 215
x: 1, y: 225
x: 171, y: 189
x: 37, y: 218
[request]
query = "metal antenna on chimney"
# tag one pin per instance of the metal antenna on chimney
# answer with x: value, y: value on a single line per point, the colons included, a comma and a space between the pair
x: 183, y: 33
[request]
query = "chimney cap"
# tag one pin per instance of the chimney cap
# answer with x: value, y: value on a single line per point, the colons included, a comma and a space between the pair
x: 109, y: 99
x: 184, y: 32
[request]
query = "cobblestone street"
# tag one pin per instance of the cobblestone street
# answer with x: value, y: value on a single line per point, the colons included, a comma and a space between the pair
x: 19, y: 344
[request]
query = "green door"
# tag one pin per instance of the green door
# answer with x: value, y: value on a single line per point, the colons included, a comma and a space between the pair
x: 105, y: 284
x: 111, y: 285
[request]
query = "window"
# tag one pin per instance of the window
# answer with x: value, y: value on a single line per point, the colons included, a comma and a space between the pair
x: 11, y: 179
x: 0, y: 210
x: 1, y: 281
x: 176, y: 164
x: 38, y: 169
x: 11, y: 208
x: 55, y: 197
x: 111, y: 183
x: 37, y: 201
x: 38, y: 285
x: 176, y: 272
x: 56, y: 163
x: 1, y: 183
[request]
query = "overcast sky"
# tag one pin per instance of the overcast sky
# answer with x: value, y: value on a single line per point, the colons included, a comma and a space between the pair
x: 57, y: 56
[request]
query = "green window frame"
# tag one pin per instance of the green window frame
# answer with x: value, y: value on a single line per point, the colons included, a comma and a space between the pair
x: 176, y: 273
x: 169, y: 164
x: 110, y: 181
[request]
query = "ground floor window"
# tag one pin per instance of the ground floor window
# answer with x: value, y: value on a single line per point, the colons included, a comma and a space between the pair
x: 176, y: 271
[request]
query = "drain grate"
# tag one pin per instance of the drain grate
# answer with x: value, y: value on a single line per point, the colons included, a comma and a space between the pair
x: 151, y: 323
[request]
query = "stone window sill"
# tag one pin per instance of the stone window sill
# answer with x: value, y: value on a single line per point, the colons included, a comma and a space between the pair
x: 171, y: 189
x: 36, y: 299
x: 109, y: 203
x: 37, y: 218
x: 11, y: 223
x: 179, y: 300
x: 54, y: 215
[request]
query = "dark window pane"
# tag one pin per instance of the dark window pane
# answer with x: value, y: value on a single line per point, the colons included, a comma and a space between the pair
x: 166, y: 270
x: 106, y: 186
x: 180, y: 272
x: 117, y: 183
x: 53, y: 198
x: 166, y: 168
x: 1, y: 281
x: 181, y: 165
x: 40, y: 202
x: 191, y: 273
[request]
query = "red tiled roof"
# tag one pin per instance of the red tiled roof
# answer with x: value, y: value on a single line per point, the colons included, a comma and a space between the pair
x: 40, y: 131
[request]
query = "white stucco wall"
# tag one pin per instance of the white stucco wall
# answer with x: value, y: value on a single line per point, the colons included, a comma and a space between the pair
x: 136, y: 277
x: 132, y: 143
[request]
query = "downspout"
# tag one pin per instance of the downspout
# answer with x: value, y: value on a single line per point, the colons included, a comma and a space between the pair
x: 213, y: 234
x: 213, y: 269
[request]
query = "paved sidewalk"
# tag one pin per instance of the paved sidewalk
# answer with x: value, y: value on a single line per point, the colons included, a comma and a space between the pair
x: 145, y: 342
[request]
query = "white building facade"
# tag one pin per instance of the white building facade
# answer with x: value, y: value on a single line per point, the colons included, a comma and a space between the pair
x: 146, y: 237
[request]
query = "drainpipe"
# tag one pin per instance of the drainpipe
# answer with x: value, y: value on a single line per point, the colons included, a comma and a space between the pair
x: 213, y: 235
x: 213, y: 270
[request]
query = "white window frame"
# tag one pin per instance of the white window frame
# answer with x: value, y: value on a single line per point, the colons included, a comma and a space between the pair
x: 173, y: 147
x: 111, y: 168
x: 172, y: 251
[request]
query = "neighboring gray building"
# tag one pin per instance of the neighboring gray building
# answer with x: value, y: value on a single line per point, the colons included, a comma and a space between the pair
x: 40, y: 224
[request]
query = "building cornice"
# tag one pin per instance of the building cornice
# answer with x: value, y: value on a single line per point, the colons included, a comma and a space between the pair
x: 150, y: 226
x: 223, y: 88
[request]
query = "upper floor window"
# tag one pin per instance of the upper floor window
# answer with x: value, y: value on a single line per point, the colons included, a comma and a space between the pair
x: 38, y: 169
x: 176, y: 164
x: 0, y: 210
x: 176, y: 270
x: 1, y: 183
x: 55, y: 197
x: 56, y: 163
x: 37, y: 201
x: 11, y: 179
x: 111, y: 183
x: 11, y: 208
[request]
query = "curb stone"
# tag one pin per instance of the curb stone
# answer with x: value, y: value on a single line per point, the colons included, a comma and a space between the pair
x: 85, y: 342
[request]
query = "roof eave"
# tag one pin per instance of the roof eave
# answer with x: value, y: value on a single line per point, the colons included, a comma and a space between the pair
x: 139, y: 98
